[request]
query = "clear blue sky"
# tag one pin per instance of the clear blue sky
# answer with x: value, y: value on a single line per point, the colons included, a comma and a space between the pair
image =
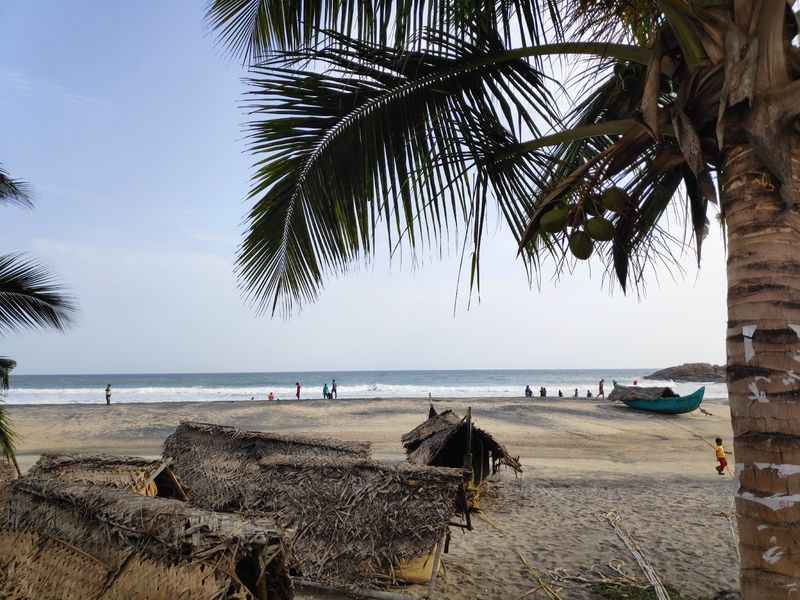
x: 125, y: 119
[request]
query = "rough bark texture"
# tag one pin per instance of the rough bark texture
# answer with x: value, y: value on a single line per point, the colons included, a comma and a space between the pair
x: 763, y: 347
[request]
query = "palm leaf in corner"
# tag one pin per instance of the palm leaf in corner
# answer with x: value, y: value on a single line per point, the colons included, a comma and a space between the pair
x: 30, y: 297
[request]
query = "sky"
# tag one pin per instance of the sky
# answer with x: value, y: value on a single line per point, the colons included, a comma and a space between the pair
x: 125, y: 119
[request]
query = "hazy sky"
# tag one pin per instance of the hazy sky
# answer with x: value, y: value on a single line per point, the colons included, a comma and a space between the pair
x: 124, y: 118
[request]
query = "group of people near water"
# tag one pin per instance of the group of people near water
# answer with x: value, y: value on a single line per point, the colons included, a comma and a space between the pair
x: 600, y: 390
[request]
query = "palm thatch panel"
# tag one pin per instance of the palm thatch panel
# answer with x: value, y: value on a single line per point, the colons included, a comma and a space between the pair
x: 141, y: 475
x: 442, y: 440
x: 257, y: 444
x: 354, y: 520
x: 132, y: 546
x: 622, y: 392
x: 34, y: 566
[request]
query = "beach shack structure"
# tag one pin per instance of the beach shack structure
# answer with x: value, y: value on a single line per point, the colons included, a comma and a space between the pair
x: 140, y: 475
x: 76, y: 540
x: 354, y: 522
x: 447, y: 440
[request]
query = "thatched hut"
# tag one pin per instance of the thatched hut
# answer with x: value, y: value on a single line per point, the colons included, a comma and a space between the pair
x: 447, y: 440
x: 355, y: 521
x: 75, y: 540
x: 140, y: 475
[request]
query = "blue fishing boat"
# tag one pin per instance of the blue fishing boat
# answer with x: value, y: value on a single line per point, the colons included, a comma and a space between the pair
x: 657, y: 400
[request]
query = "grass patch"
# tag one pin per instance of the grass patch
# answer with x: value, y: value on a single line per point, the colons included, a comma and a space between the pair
x: 612, y: 591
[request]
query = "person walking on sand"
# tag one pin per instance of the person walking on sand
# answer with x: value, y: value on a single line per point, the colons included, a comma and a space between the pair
x: 325, y: 393
x: 719, y: 451
x: 576, y: 393
x: 528, y: 391
x: 333, y: 390
x: 560, y: 394
x: 108, y: 395
x: 297, y: 391
x: 600, y: 392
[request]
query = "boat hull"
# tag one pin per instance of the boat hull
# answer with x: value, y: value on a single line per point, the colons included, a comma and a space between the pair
x: 669, y: 406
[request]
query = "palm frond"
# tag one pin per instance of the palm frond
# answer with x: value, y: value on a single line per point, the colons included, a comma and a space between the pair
x: 252, y: 28
x: 14, y: 191
x: 382, y: 135
x: 30, y: 297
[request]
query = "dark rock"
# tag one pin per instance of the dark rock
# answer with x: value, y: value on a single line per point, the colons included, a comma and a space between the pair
x: 699, y: 372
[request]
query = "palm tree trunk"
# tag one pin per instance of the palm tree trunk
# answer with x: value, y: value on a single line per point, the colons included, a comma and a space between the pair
x: 763, y: 347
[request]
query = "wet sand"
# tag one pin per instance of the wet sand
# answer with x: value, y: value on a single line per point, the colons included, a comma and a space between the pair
x: 582, y: 458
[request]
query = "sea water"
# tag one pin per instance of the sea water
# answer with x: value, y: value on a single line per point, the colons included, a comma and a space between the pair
x: 207, y: 387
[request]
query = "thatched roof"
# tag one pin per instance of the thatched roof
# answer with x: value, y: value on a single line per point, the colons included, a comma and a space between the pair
x: 623, y: 392
x: 355, y: 519
x: 140, y: 475
x: 257, y: 444
x: 77, y: 540
x: 425, y: 443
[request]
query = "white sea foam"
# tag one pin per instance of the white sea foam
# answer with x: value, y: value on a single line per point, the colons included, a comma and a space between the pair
x: 145, y: 394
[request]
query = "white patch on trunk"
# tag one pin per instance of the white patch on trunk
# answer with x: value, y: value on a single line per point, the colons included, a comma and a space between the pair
x: 747, y: 333
x: 773, y: 555
x: 774, y: 502
x: 762, y: 527
x: 755, y: 393
x: 791, y: 377
x: 796, y: 329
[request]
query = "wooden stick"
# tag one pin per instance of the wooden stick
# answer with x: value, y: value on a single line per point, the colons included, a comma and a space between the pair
x: 436, y: 559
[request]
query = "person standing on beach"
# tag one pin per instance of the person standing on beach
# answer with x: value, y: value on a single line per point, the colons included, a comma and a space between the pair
x: 333, y: 390
x: 325, y: 394
x: 108, y: 395
x: 600, y: 392
x: 297, y: 392
x: 576, y: 392
x: 719, y: 451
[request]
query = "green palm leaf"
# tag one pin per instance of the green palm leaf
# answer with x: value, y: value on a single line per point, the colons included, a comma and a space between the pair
x: 252, y: 28
x: 391, y: 136
x: 30, y: 296
x: 13, y: 191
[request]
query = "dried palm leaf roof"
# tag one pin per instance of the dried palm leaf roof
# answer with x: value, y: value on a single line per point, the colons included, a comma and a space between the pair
x: 259, y: 443
x: 622, y: 392
x: 426, y: 443
x: 129, y: 472
x: 77, y: 540
x: 354, y: 519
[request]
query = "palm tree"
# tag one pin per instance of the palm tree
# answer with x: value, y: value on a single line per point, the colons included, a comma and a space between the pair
x: 29, y: 298
x: 419, y: 130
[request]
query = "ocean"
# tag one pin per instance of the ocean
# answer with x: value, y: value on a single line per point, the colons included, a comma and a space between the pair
x: 208, y: 387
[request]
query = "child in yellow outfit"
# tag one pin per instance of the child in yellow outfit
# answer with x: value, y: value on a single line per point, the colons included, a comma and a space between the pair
x: 719, y: 450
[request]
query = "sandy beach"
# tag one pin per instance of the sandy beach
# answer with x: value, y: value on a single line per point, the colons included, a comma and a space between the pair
x: 583, y: 459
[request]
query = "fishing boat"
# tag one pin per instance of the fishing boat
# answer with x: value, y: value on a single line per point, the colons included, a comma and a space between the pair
x: 657, y: 400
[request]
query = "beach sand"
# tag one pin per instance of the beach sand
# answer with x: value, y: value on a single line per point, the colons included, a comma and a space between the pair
x: 583, y: 459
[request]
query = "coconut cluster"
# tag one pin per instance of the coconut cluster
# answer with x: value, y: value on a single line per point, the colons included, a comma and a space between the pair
x: 587, y: 220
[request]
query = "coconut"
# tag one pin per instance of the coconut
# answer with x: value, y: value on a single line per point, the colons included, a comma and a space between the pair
x: 581, y: 244
x: 615, y: 199
x: 600, y: 229
x: 554, y: 220
x: 592, y: 206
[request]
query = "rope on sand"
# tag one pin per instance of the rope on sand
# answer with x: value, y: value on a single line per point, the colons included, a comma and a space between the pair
x: 649, y: 572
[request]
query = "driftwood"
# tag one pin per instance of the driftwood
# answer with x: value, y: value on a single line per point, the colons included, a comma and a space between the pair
x: 355, y: 520
x: 76, y: 540
x: 430, y: 443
